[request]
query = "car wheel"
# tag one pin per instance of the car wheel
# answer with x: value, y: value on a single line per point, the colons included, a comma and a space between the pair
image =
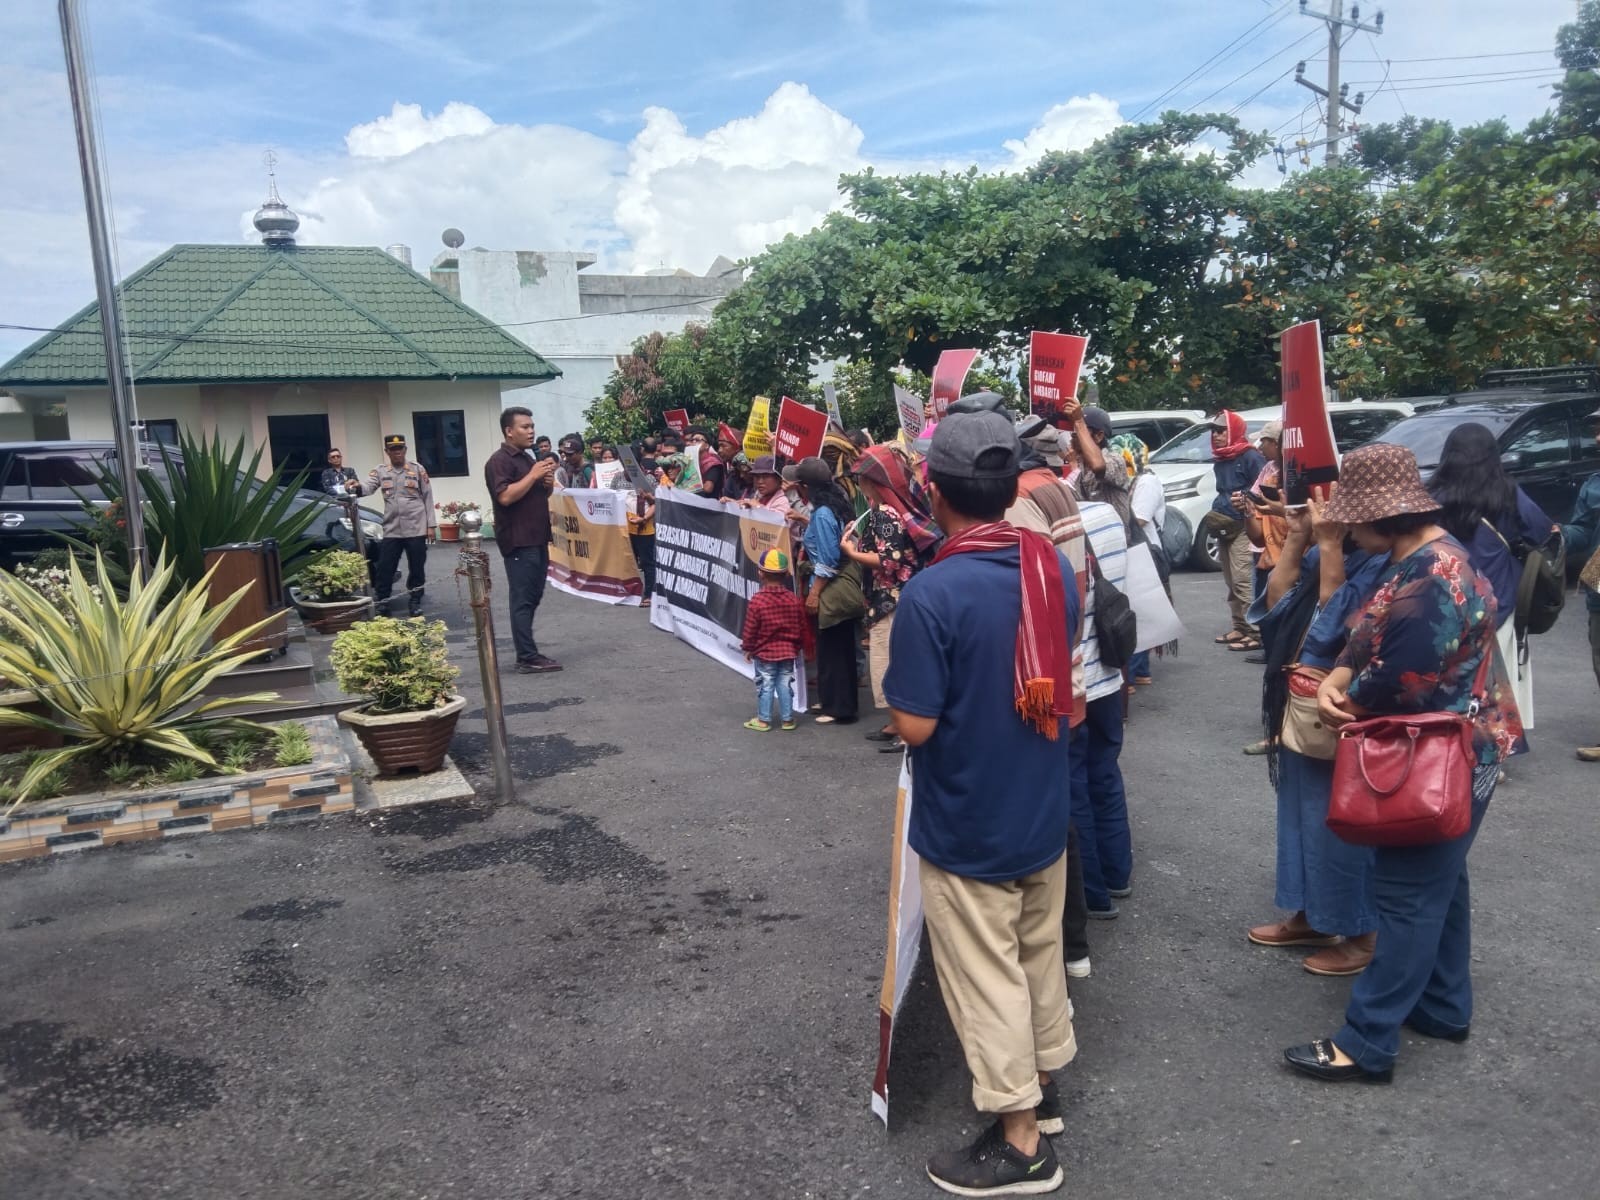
x: 1207, y: 552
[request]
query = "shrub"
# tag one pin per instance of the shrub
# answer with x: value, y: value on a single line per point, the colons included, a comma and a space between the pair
x: 130, y: 677
x: 400, y: 666
x: 181, y: 770
x: 291, y: 745
x: 336, y: 575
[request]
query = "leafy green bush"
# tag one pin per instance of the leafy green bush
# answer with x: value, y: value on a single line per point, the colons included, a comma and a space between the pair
x: 129, y: 676
x: 291, y: 745
x: 335, y: 575
x: 214, y: 499
x: 181, y: 770
x: 400, y: 666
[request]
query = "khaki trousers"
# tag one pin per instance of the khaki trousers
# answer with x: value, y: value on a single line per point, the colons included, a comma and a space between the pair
x: 997, y: 952
x: 878, y: 658
x: 1238, y: 573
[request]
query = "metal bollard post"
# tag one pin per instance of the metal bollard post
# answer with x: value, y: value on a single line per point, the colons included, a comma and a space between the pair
x: 352, y: 512
x: 475, y: 565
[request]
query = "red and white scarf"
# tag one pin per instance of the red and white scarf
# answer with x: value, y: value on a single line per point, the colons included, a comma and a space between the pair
x: 1042, y: 674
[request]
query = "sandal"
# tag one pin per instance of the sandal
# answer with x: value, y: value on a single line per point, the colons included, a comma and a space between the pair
x: 1245, y: 645
x: 757, y: 724
x: 1229, y: 638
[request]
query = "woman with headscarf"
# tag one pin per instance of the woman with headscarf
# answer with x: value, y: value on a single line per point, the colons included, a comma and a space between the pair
x: 840, y: 453
x: 1485, y: 510
x: 1236, y: 464
x: 898, y: 539
x: 1424, y: 643
x: 831, y: 514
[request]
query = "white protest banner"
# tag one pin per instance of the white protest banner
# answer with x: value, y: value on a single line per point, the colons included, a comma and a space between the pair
x: 830, y: 401
x: 1157, y: 620
x: 590, y: 555
x: 905, y: 937
x: 706, y: 555
x: 910, y: 410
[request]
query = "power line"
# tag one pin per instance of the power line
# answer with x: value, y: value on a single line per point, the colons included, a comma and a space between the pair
x: 1449, y: 57
x: 1265, y: 23
x: 1275, y: 54
x: 1527, y: 72
x: 1555, y: 77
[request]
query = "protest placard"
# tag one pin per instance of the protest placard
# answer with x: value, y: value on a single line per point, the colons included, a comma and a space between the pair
x: 606, y: 473
x: 677, y: 420
x: 904, y: 940
x: 590, y: 555
x: 830, y: 401
x: 800, y: 430
x: 1055, y: 360
x: 757, y: 431
x: 949, y: 373
x: 1310, y: 457
x: 630, y: 463
x: 706, y: 555
x: 910, y: 409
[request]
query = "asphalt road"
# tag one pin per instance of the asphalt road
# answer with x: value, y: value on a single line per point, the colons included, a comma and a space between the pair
x: 655, y: 974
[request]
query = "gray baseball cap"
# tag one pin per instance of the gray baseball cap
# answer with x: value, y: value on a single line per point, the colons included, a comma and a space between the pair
x: 962, y: 438
x: 1098, y: 420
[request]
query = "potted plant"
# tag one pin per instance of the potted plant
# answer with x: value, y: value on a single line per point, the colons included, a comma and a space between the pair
x: 328, y: 591
x: 404, y: 671
x: 450, y: 516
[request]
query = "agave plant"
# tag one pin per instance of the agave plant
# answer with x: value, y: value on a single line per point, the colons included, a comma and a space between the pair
x: 214, y: 499
x: 122, y: 674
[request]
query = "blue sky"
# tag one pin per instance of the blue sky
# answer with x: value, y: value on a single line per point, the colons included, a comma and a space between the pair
x: 654, y: 133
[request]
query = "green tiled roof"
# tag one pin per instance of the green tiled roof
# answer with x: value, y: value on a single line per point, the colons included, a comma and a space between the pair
x: 205, y: 314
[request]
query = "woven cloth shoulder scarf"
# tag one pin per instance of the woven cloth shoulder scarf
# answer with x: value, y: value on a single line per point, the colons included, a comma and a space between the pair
x: 1042, y: 674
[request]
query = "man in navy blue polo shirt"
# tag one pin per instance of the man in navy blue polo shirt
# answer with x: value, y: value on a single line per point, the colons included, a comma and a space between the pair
x: 980, y: 685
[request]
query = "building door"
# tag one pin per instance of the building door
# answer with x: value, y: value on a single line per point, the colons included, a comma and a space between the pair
x: 299, y: 443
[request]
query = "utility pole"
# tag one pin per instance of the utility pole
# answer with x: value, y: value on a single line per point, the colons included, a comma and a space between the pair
x: 105, y: 280
x: 1335, y: 94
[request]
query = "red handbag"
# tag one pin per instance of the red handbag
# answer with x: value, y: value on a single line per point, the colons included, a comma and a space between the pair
x: 1406, y: 779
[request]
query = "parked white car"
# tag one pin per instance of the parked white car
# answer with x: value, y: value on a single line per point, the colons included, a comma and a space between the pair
x: 1155, y: 426
x: 1184, y: 467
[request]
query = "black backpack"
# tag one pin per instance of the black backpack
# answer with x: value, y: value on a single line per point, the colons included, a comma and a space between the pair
x: 1115, y: 624
x: 1542, y: 587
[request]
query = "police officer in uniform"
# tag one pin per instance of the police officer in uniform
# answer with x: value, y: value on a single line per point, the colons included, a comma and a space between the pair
x: 408, y: 523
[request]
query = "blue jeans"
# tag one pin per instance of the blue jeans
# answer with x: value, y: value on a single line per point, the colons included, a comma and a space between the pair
x: 526, y: 570
x: 1421, y: 968
x: 1139, y: 665
x: 774, y: 677
x: 1100, y: 803
x: 1330, y: 880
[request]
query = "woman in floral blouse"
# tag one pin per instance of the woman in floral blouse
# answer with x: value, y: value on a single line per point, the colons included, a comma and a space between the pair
x: 896, y: 538
x: 1422, y: 644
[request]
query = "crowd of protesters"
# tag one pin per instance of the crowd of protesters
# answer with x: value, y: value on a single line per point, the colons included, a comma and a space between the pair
x: 967, y: 579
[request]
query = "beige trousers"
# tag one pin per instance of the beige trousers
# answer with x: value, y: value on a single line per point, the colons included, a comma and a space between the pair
x: 997, y: 952
x: 1238, y: 573
x: 878, y: 658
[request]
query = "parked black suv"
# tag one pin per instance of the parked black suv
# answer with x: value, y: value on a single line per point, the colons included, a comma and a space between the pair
x: 40, y: 485
x: 1537, y: 415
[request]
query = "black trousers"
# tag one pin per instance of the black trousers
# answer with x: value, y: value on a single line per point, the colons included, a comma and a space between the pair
x: 389, y: 551
x: 644, y: 555
x: 837, y: 689
x: 527, y: 567
x: 1075, y: 913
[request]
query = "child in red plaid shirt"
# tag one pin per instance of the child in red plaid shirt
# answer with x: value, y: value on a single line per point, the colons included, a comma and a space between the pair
x: 774, y: 636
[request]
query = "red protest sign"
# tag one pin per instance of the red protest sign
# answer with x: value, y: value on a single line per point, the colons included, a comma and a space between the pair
x: 799, y: 431
x: 1310, y: 457
x: 1055, y: 360
x: 949, y: 373
x: 677, y: 420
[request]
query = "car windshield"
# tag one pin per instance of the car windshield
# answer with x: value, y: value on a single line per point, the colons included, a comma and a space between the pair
x: 1193, y: 445
x: 1424, y: 434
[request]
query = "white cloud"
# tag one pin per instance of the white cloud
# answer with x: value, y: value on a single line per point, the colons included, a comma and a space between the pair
x: 1075, y: 125
x: 405, y: 129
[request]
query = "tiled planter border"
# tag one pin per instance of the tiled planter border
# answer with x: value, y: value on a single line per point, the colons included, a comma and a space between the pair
x: 271, y: 797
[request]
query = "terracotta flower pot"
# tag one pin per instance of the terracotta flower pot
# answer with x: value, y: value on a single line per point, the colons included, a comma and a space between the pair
x: 399, y: 741
x: 331, y: 616
x: 20, y: 737
x: 449, y: 531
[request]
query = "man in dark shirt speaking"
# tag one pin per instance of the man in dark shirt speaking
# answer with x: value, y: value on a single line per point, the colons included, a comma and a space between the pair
x: 520, y: 487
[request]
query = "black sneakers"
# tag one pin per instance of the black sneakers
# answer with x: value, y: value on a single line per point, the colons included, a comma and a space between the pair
x: 991, y: 1166
x: 1048, y: 1111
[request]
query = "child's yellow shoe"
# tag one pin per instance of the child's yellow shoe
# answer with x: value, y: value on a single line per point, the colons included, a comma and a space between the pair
x: 791, y: 723
x: 758, y: 725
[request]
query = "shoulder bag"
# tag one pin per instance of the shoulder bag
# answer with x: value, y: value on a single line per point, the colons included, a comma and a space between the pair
x: 1542, y: 586
x: 1304, y: 731
x: 1406, y: 779
x: 1115, y: 624
x: 1590, y: 576
x: 843, y: 598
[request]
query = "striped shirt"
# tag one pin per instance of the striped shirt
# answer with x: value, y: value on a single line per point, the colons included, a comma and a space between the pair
x: 1108, y: 540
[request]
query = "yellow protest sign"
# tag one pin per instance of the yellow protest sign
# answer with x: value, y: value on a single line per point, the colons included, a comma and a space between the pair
x: 757, y: 439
